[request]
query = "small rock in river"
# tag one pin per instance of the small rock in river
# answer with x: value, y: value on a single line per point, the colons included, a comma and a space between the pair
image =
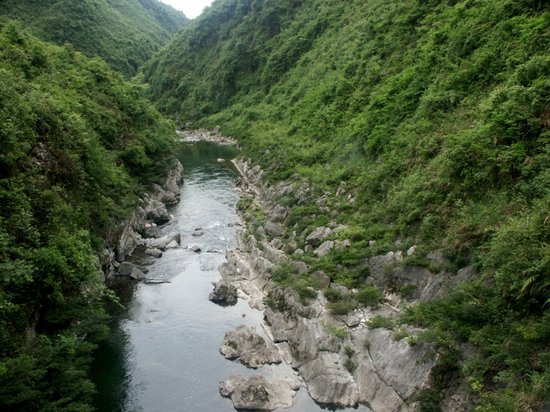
x: 195, y: 248
x: 223, y: 293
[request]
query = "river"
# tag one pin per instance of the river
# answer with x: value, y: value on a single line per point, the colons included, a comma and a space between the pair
x: 162, y: 353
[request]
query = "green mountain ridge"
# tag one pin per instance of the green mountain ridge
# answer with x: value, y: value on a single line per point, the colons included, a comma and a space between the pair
x: 79, y: 144
x: 125, y: 33
x: 435, y: 114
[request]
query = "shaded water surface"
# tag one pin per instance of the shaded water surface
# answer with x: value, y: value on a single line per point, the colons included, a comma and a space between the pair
x: 162, y: 353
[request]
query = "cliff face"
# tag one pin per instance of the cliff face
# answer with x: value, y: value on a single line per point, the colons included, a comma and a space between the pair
x: 418, y: 126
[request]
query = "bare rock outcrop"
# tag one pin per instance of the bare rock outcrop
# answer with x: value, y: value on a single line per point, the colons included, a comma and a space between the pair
x: 249, y: 348
x: 224, y: 293
x: 257, y: 393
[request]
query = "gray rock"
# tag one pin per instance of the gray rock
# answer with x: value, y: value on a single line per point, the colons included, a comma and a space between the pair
x: 249, y: 348
x: 329, y: 382
x: 273, y: 229
x: 197, y: 232
x: 277, y: 243
x: 403, y: 367
x: 126, y: 268
x: 195, y: 248
x: 156, y: 211
x: 299, y: 266
x: 163, y: 242
x: 321, y: 278
x: 153, y: 252
x: 299, y: 252
x: 166, y: 197
x: 136, y: 274
x: 278, y: 214
x: 318, y: 235
x: 223, y: 294
x: 325, y: 247
x: 174, y: 180
x: 172, y: 245
x: 437, y: 257
x: 257, y: 393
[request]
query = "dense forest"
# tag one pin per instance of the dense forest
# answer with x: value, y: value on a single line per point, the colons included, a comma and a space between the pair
x: 436, y: 115
x: 124, y: 32
x: 78, y: 144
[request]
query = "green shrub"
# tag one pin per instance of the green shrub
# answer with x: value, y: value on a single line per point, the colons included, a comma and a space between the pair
x: 342, y: 307
x: 380, y: 322
x: 369, y: 296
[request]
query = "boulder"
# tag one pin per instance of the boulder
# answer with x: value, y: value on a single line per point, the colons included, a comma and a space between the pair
x: 324, y: 248
x: 174, y: 180
x: 172, y: 245
x: 322, y: 280
x: 136, y: 274
x: 318, y: 235
x: 156, y: 211
x: 195, y: 248
x: 223, y: 294
x: 153, y: 252
x: 163, y: 242
x: 258, y: 393
x: 249, y: 348
x: 126, y: 269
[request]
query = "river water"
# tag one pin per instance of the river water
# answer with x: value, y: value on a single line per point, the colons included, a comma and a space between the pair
x: 162, y: 354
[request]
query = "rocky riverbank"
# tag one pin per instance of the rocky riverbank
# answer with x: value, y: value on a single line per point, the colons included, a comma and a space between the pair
x: 205, y: 135
x: 140, y: 230
x: 344, y: 360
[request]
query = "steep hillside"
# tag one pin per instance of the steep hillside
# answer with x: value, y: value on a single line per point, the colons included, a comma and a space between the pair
x: 124, y: 32
x: 434, y: 116
x: 78, y: 146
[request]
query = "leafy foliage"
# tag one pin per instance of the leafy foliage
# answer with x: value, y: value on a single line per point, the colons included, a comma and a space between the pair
x: 68, y: 174
x: 125, y: 33
x: 436, y: 116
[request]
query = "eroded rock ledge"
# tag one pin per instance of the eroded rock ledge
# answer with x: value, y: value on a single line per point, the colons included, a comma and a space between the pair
x: 342, y: 361
x: 249, y: 348
x: 257, y: 393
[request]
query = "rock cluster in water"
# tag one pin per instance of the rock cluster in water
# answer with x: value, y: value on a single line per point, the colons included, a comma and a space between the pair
x: 258, y: 393
x: 249, y: 348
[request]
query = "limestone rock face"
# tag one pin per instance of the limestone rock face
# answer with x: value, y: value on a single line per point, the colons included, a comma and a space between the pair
x: 249, y: 348
x: 223, y: 293
x: 329, y: 382
x: 257, y: 393
x: 389, y: 372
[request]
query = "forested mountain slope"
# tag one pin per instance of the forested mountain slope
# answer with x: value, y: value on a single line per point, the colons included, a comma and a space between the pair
x: 78, y: 144
x: 124, y: 32
x: 436, y: 115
